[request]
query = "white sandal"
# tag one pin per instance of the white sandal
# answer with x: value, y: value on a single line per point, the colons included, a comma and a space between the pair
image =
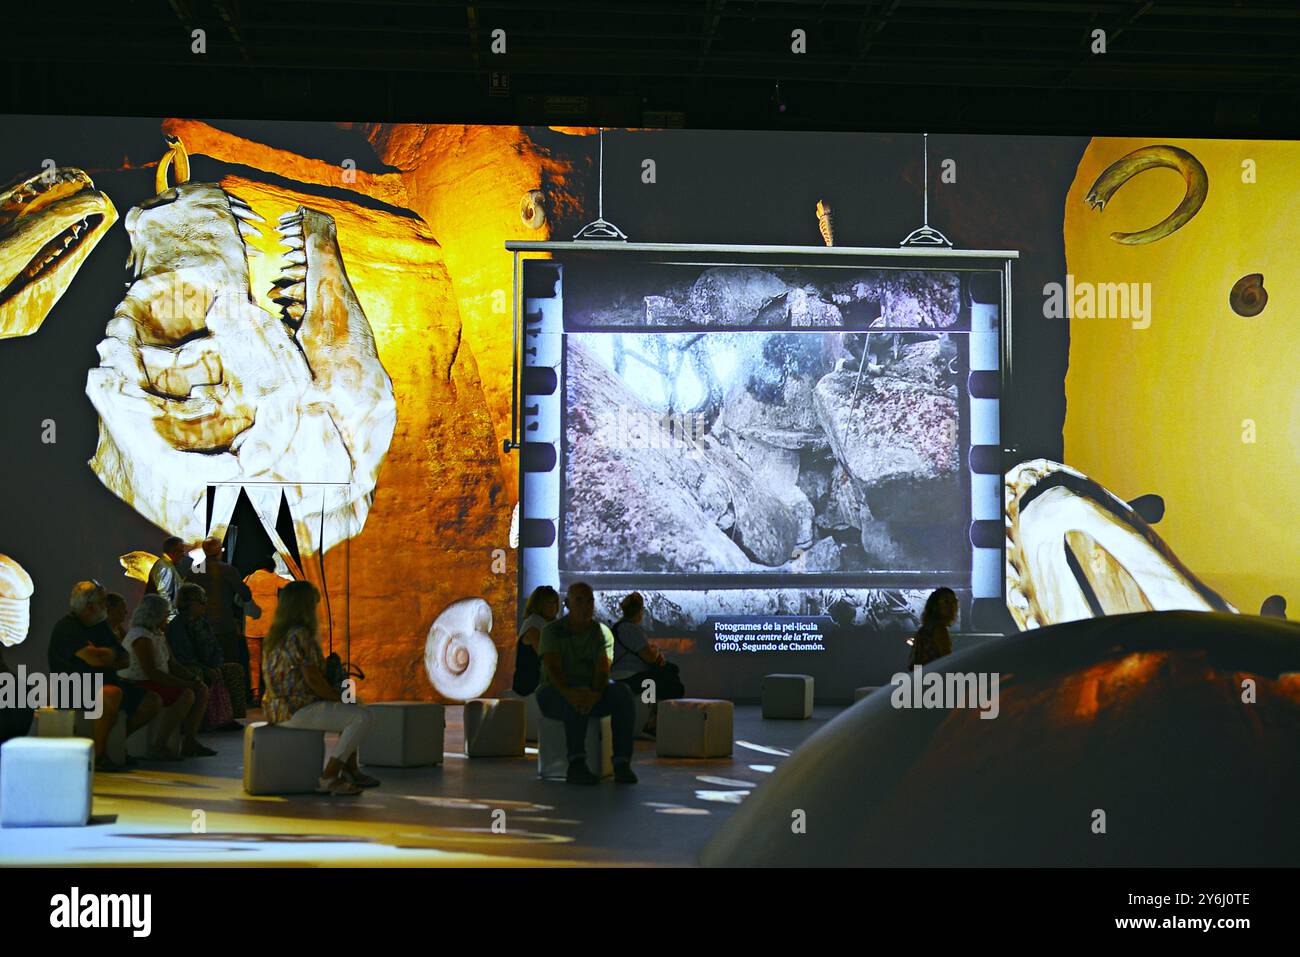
x: 337, y: 787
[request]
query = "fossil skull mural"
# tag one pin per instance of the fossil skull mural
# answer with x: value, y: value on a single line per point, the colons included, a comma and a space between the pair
x: 49, y: 224
x: 197, y: 385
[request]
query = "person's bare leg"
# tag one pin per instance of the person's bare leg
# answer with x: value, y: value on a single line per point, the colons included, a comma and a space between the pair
x: 194, y: 717
x: 171, y: 718
x: 111, y: 700
x: 147, y: 711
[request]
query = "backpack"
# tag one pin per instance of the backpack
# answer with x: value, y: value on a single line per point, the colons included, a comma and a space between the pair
x: 528, y: 669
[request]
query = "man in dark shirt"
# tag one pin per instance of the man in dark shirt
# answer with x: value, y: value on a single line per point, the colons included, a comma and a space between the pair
x: 226, y: 592
x: 576, y: 651
x: 83, y: 643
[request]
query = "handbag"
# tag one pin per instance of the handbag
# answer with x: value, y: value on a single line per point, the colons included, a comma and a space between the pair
x: 219, y: 713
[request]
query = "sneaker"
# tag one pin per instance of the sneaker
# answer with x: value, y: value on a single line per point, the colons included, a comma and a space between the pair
x: 579, y: 773
x: 623, y: 773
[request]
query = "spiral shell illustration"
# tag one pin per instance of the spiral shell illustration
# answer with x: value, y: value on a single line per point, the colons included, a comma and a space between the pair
x: 1248, y: 297
x: 16, y: 590
x: 531, y: 210
x: 459, y: 654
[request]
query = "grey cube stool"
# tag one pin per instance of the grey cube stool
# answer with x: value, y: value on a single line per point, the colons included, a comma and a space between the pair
x: 404, y: 734
x: 46, y: 782
x: 145, y: 739
x: 70, y: 723
x: 694, y: 728
x: 495, y: 727
x: 282, y: 760
x: 553, y: 749
x: 788, y: 696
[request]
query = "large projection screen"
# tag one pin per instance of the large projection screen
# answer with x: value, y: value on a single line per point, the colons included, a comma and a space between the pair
x: 783, y: 450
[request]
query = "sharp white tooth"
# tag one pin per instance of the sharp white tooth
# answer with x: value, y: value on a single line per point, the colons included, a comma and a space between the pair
x: 291, y: 229
x: 238, y: 200
x: 295, y: 310
x: 297, y: 291
x: 246, y: 214
x: 293, y: 216
x: 252, y: 251
x: 295, y: 257
x: 295, y: 272
x: 291, y: 242
x: 247, y: 230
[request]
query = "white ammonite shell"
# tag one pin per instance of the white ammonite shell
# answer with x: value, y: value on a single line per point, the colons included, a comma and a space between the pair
x: 16, y: 590
x: 459, y: 654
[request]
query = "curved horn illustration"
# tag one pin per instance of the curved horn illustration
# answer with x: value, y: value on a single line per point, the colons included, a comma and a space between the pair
x: 1151, y: 157
x: 175, y: 158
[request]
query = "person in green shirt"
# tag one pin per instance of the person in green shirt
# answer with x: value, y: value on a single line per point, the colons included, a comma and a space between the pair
x: 576, y: 651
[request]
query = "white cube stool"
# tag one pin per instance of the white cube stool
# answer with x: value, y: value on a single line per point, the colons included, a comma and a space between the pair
x: 146, y: 739
x: 70, y: 723
x: 553, y: 750
x: 46, y: 782
x: 533, y: 714
x: 494, y: 727
x: 404, y: 734
x: 282, y: 760
x: 694, y: 728
x: 788, y: 696
x: 860, y: 693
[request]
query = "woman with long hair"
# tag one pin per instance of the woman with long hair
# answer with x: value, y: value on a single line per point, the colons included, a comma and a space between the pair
x: 542, y: 608
x: 297, y: 694
x: 932, y: 640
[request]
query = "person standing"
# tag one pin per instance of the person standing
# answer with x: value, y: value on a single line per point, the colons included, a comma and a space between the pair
x: 575, y: 686
x: 168, y: 572
x: 226, y: 593
x: 264, y: 584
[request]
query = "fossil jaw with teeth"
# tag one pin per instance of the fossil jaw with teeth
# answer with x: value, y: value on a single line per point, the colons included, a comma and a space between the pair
x: 1075, y: 551
x: 197, y: 385
x: 49, y: 223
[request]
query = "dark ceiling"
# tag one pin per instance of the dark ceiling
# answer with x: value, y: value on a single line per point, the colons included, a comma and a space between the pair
x: 1210, y: 68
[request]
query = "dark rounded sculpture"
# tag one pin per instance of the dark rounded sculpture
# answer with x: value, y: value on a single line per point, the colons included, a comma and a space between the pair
x: 1140, y: 717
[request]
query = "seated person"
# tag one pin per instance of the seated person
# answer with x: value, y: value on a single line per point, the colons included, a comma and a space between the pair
x: 223, y: 584
x: 297, y: 695
x: 116, y: 606
x: 150, y: 657
x: 636, y: 661
x: 14, y: 722
x: 542, y: 608
x: 575, y: 686
x: 196, y: 653
x: 82, y: 642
